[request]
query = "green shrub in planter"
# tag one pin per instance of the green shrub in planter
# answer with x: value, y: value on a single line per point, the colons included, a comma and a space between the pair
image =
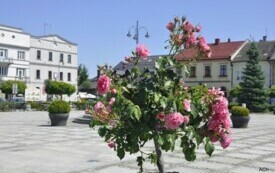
x: 81, y: 105
x: 232, y: 104
x: 59, y: 106
x: 239, y: 111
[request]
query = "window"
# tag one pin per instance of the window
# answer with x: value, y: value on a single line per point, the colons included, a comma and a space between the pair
x: 37, y: 74
x: 207, y: 71
x: 239, y: 75
x: 50, y: 56
x: 21, y: 55
x: 223, y: 70
x: 4, y: 52
x: 20, y: 72
x: 61, y: 76
x: 69, y: 59
x: 61, y: 58
x: 3, y: 71
x: 69, y: 76
x: 38, y: 54
x: 193, y: 71
x: 50, y: 75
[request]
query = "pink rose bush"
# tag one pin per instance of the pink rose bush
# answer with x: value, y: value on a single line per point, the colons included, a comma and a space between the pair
x: 156, y: 104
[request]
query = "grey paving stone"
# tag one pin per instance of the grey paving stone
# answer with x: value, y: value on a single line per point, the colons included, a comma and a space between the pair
x: 243, y: 155
x: 227, y: 160
x: 187, y: 170
x: 264, y: 165
x: 270, y: 159
x: 245, y: 169
x: 209, y: 165
x: 116, y: 169
x: 254, y: 151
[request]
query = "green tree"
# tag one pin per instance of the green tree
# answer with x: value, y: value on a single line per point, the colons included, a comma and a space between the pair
x: 6, y: 86
x: 59, y: 88
x: 82, y: 74
x: 252, y: 90
x: 235, y: 91
x: 86, y: 85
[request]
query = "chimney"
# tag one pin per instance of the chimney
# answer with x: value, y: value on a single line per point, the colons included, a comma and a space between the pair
x: 264, y: 38
x: 229, y: 40
x: 217, y: 41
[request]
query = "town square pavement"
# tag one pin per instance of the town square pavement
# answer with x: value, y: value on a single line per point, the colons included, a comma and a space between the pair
x: 28, y: 144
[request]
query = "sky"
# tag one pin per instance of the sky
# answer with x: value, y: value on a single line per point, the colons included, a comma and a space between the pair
x: 99, y: 27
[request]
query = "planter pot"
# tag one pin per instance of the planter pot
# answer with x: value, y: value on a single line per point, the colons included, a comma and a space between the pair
x: 240, y: 121
x: 59, y: 119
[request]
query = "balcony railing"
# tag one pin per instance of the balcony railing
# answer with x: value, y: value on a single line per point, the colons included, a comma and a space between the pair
x: 6, y: 60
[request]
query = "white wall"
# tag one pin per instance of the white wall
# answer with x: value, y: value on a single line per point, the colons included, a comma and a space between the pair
x: 238, y: 69
x: 215, y: 80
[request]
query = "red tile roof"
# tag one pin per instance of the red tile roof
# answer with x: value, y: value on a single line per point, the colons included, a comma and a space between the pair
x: 219, y: 51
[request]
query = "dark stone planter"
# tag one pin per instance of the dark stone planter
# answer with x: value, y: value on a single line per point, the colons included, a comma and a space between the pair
x: 240, y: 121
x: 59, y: 119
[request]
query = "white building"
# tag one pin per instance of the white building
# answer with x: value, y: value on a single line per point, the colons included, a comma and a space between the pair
x: 35, y: 59
x: 14, y: 54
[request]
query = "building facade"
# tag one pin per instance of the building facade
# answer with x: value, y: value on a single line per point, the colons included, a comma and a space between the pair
x: 35, y: 59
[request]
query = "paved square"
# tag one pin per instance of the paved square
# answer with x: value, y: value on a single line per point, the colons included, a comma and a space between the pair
x: 28, y: 144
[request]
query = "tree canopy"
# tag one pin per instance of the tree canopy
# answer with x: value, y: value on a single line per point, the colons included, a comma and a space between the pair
x: 6, y: 86
x: 82, y: 74
x: 252, y: 91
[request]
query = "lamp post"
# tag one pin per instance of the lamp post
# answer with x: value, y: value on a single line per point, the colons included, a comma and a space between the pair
x: 137, y: 29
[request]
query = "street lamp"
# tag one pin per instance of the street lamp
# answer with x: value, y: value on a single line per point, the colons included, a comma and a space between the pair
x: 137, y: 30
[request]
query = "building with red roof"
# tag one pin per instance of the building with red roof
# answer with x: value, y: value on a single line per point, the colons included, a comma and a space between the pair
x: 215, y: 71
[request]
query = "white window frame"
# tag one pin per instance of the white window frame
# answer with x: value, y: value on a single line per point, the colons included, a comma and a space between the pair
x: 21, y: 55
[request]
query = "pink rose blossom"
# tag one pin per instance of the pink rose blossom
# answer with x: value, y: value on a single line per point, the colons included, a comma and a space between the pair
x: 198, y: 28
x: 109, y: 108
x: 112, y: 101
x: 112, y: 144
x: 99, y: 106
x: 187, y: 105
x: 142, y: 51
x: 113, y: 91
x: 216, y: 92
x: 103, y: 84
x: 161, y: 116
x: 187, y: 26
x: 173, y: 120
x: 170, y: 26
x: 214, y: 139
x: 191, y: 40
x: 185, y: 119
x: 225, y: 141
x: 113, y: 123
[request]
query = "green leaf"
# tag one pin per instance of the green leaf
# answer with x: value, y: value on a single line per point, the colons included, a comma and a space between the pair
x: 163, y: 102
x: 170, y: 61
x: 208, y: 146
x: 168, y: 84
x: 194, y: 111
x: 156, y: 97
x: 102, y: 131
x: 120, y: 153
x: 135, y: 71
x: 153, y: 158
x: 134, y: 112
x: 190, y: 154
x: 160, y: 140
